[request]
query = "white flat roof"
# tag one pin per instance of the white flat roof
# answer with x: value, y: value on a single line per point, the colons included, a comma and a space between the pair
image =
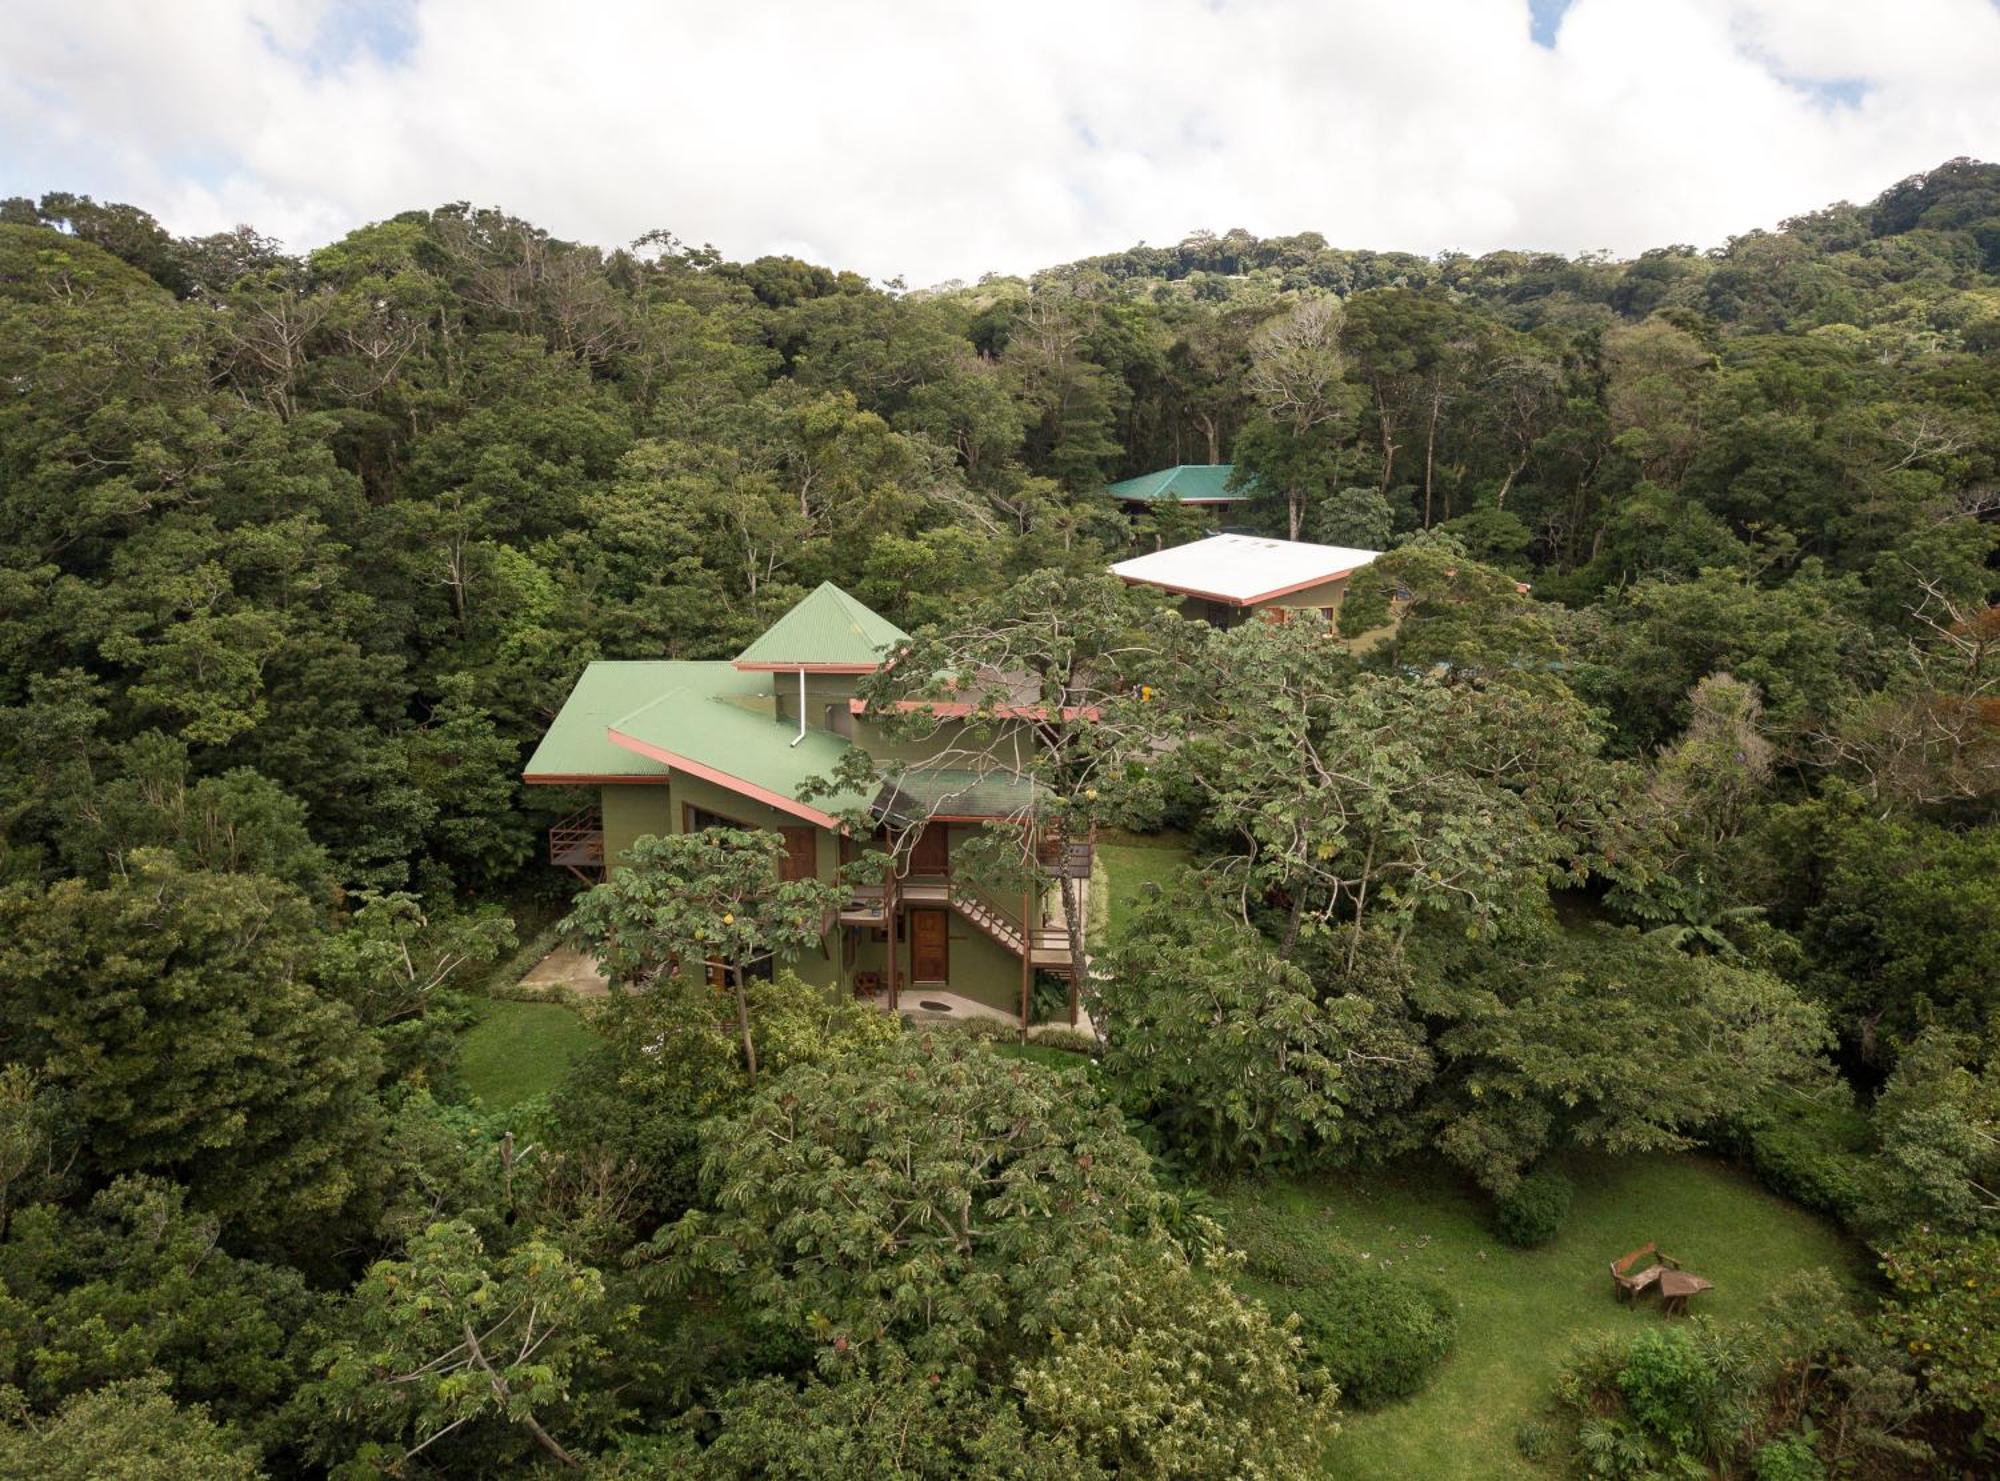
x: 1243, y: 569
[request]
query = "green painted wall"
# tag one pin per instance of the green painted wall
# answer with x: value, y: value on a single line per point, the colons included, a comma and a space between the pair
x: 1326, y: 594
x: 632, y: 812
x: 696, y: 792
x: 821, y: 690
x: 980, y: 968
x: 817, y: 965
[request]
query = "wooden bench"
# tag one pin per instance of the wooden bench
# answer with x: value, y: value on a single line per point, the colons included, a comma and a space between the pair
x: 1627, y: 1282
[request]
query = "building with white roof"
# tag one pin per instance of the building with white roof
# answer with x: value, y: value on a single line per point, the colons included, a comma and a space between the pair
x: 1226, y: 577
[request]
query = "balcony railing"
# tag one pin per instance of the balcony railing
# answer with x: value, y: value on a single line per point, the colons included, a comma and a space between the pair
x: 1064, y: 860
x: 577, y: 842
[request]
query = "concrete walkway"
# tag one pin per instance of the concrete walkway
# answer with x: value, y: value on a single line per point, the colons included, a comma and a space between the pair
x: 571, y: 969
x: 914, y: 1003
x: 579, y: 973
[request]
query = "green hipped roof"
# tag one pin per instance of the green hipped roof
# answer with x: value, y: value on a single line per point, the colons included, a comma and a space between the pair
x: 1205, y: 482
x: 826, y: 627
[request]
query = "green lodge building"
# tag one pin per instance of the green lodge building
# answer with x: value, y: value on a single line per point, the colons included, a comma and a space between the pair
x: 674, y: 747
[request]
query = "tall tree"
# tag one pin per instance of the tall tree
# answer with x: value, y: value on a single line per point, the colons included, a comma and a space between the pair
x: 1046, y: 691
x: 172, y: 1010
x: 691, y: 902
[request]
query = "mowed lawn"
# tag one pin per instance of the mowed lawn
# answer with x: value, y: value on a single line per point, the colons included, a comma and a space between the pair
x: 1132, y: 861
x: 1520, y: 1311
x: 516, y: 1050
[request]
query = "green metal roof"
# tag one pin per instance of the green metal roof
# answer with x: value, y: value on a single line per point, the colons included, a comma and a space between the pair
x: 711, y: 715
x: 726, y: 721
x: 715, y: 720
x: 923, y: 792
x: 826, y: 627
x: 578, y: 743
x: 1196, y: 482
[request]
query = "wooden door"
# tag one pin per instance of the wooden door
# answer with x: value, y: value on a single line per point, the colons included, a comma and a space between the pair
x: 930, y: 946
x: 801, y: 860
x: 930, y: 855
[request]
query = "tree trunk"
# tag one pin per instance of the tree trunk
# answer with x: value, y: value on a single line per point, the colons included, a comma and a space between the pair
x: 1361, y: 903
x: 1079, y: 960
x: 1430, y: 447
x: 1387, y: 426
x: 500, y: 1390
x: 743, y: 1024
x: 1027, y: 957
x: 1293, y: 919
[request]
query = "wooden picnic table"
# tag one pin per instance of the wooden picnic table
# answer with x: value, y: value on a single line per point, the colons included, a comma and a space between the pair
x: 1675, y: 1288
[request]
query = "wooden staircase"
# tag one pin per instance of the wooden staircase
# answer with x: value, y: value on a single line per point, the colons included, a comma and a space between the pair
x: 1049, y: 948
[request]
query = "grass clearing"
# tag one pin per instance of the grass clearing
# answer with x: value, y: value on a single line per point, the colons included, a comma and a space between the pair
x: 1131, y: 861
x: 516, y: 1050
x: 1043, y: 1054
x: 1520, y: 1311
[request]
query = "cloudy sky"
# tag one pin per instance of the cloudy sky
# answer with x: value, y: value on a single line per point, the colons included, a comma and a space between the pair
x: 936, y: 139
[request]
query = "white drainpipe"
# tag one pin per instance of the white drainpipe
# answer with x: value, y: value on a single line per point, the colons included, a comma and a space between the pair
x: 802, y: 709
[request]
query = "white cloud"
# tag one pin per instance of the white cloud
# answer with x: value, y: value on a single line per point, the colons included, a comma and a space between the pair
x: 936, y: 138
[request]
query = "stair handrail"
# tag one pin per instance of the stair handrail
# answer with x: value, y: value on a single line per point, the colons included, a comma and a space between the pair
x: 963, y: 889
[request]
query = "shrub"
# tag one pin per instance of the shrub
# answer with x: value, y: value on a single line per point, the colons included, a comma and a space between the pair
x: 992, y: 1030
x: 1281, y: 1246
x: 1788, y: 1458
x: 1075, y: 1040
x: 1380, y: 1336
x: 1670, y: 1386
x: 1686, y: 1387
x: 1808, y: 1151
x: 1534, y: 1212
x: 1050, y: 1000
x: 1536, y: 1439
x: 1946, y: 1314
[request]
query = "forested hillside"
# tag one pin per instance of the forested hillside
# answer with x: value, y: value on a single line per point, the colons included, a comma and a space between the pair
x: 1695, y: 842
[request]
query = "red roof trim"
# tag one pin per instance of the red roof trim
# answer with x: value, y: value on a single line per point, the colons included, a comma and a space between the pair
x: 723, y: 779
x: 811, y: 668
x: 959, y: 709
x: 579, y: 779
x: 1249, y: 601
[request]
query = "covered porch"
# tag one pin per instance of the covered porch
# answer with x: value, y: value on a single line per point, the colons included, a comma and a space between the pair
x: 916, y: 917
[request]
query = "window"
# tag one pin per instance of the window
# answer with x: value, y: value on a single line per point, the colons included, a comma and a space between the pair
x: 839, y: 719
x: 800, y: 859
x: 696, y: 819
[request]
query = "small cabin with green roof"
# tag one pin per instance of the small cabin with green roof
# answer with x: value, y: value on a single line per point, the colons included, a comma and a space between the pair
x: 677, y: 746
x: 1203, y: 485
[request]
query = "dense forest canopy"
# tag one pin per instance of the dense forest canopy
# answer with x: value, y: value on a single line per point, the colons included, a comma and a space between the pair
x: 1693, y: 718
